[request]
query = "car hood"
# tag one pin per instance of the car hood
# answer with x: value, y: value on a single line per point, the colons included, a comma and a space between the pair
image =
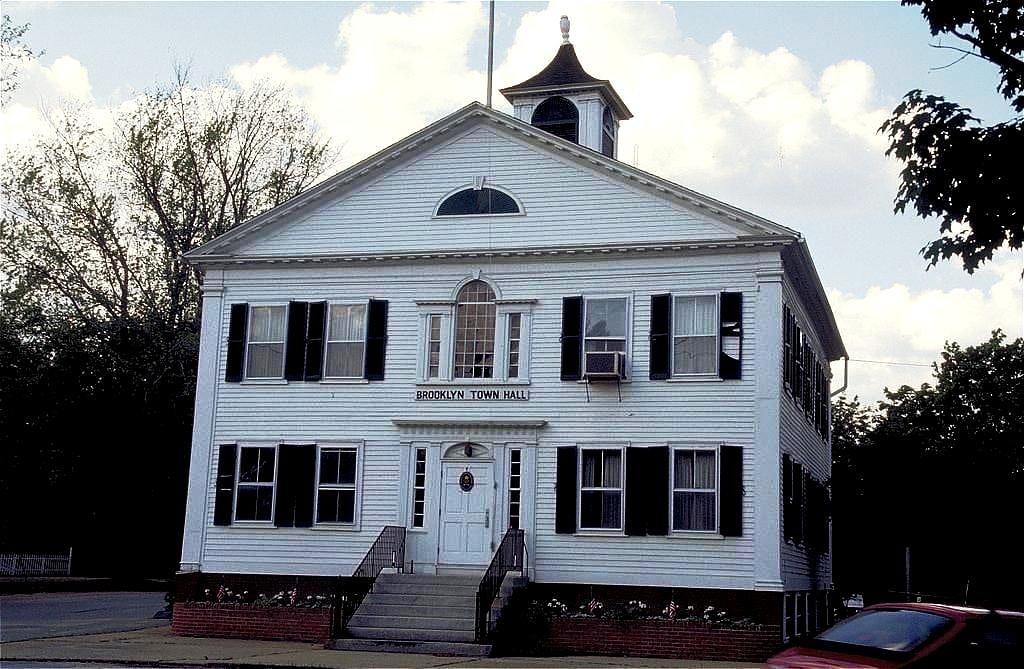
x: 813, y: 658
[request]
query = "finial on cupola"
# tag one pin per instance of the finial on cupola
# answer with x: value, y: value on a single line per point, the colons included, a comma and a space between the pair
x: 564, y: 25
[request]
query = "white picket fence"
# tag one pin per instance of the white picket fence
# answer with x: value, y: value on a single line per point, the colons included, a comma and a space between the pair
x: 35, y: 564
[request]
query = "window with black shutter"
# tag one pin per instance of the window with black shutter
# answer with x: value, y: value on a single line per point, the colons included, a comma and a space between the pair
x: 787, y: 348
x: 659, y: 495
x: 376, y: 340
x: 224, y: 498
x: 661, y: 337
x: 798, y: 503
x: 787, y: 496
x: 565, y: 490
x: 235, y: 368
x: 572, y: 338
x: 316, y: 326
x: 731, y: 335
x: 731, y: 491
x: 295, y: 344
x: 296, y: 485
x: 636, y: 496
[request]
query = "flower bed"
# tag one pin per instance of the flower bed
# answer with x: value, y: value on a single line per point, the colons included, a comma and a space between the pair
x: 252, y: 621
x: 660, y: 638
x: 634, y: 628
x: 284, y: 616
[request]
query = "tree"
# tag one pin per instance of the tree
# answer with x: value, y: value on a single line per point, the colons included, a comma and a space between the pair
x: 955, y: 168
x: 99, y: 315
x: 939, y: 469
x: 12, y: 52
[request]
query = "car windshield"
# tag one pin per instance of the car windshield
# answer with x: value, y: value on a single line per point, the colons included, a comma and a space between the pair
x: 899, y: 630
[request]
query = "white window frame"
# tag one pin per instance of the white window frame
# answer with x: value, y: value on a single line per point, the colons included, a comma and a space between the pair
x: 787, y: 615
x: 239, y: 483
x: 249, y: 342
x: 327, y: 338
x: 445, y: 310
x: 672, y: 487
x: 717, y: 334
x: 628, y: 352
x: 621, y: 489
x: 799, y: 614
x: 509, y: 341
x: 416, y: 488
x: 499, y: 334
x: 356, y: 487
x: 519, y: 487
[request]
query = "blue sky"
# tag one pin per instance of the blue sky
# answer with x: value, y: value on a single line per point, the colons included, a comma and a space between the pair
x: 769, y: 106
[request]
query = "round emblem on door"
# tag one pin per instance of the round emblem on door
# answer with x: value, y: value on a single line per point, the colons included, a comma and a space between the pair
x: 466, y: 481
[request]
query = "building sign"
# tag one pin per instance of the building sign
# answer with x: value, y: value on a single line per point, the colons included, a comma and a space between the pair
x: 466, y: 481
x: 490, y: 394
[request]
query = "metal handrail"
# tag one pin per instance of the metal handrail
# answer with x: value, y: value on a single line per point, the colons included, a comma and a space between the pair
x: 387, y: 550
x: 508, y: 557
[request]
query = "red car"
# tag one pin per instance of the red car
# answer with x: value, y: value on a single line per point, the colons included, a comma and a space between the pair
x: 919, y: 636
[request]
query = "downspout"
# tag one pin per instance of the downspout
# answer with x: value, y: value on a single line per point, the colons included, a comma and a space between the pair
x: 846, y: 376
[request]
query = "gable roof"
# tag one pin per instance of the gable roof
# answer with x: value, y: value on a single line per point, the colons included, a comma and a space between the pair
x: 747, y: 224
x: 565, y: 72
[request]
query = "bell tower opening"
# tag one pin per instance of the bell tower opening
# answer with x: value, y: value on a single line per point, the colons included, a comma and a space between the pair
x: 559, y: 117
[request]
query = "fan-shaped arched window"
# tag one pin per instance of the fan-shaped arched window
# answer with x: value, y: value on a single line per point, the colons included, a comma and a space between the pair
x: 475, y: 314
x: 477, y: 201
x: 559, y: 117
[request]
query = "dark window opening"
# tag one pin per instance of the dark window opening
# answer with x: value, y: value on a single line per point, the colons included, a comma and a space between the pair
x: 608, y: 133
x: 473, y: 202
x: 559, y: 117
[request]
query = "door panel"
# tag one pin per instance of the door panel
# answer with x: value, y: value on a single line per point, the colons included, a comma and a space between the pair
x: 466, y: 515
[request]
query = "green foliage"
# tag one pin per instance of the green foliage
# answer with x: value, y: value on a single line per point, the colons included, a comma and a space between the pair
x: 99, y: 315
x: 957, y: 169
x: 13, y: 51
x: 940, y: 469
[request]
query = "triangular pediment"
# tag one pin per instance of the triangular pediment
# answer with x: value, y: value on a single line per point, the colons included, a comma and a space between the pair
x: 570, y: 196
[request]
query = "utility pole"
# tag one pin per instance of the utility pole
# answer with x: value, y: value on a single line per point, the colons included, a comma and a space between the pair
x: 490, y: 54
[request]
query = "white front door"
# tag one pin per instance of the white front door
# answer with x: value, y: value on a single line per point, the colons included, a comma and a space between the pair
x: 466, y: 500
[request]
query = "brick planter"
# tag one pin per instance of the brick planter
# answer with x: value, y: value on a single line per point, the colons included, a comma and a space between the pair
x: 660, y: 638
x: 242, y: 621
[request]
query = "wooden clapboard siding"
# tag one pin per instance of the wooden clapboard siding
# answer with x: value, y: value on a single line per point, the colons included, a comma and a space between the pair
x: 564, y: 204
x: 651, y: 412
x: 799, y: 438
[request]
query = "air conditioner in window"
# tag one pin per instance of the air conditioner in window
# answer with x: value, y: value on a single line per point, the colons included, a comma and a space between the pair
x: 609, y: 365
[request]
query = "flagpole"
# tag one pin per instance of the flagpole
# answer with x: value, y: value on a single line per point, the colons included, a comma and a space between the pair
x: 490, y: 54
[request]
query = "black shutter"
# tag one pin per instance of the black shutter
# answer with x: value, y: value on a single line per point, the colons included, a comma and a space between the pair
x: 572, y: 338
x: 787, y: 348
x: 731, y: 335
x: 798, y: 365
x: 661, y: 337
x: 376, y: 340
x: 636, y: 491
x: 224, y: 500
x: 658, y: 491
x: 296, y: 486
x: 565, y: 491
x: 316, y: 325
x: 236, y: 342
x: 787, y: 496
x: 295, y: 344
x: 730, y: 505
x: 798, y: 503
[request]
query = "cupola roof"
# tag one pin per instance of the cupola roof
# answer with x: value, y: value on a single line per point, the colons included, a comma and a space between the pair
x: 565, y: 73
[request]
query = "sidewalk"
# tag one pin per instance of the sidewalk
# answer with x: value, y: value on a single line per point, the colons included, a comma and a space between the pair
x: 157, y: 647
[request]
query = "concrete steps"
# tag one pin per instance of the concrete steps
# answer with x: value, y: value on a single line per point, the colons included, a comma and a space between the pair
x: 417, y: 613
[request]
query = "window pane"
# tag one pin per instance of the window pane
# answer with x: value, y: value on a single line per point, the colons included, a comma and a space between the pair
x: 474, y: 331
x: 345, y: 360
x: 606, y: 317
x: 606, y: 345
x: 329, y: 466
x: 347, y: 322
x: 265, y: 361
x: 266, y: 324
x: 347, y: 474
x: 695, y: 355
x: 704, y: 471
x: 254, y: 502
x: 696, y: 315
x: 336, y: 506
x: 591, y: 468
x: 590, y: 509
x: 693, y: 511
x: 613, y: 469
x: 611, y: 510
x: 256, y: 465
x: 683, y: 469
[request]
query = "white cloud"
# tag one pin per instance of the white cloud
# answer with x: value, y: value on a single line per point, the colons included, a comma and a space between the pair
x: 69, y: 78
x: 897, y: 324
x: 41, y: 87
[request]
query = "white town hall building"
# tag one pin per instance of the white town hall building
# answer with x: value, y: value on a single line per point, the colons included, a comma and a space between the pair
x: 496, y: 324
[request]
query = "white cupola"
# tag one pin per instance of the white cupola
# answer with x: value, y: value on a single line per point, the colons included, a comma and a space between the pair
x: 566, y: 101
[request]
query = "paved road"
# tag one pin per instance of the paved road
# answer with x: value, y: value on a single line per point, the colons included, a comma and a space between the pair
x: 54, y: 614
